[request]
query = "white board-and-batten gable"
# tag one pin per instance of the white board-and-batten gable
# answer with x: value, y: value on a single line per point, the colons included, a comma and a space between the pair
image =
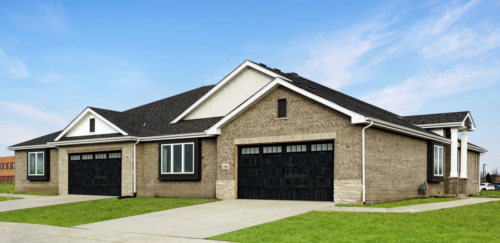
x: 235, y: 92
x: 83, y: 127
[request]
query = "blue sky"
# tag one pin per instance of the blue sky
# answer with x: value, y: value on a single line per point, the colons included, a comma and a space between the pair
x: 410, y: 57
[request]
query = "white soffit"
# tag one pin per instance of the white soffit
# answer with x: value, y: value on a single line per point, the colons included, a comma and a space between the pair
x: 221, y: 84
x: 235, y: 92
x: 80, y: 126
x: 215, y: 129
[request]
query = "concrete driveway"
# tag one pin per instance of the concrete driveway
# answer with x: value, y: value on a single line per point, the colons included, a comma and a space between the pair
x: 30, y: 201
x: 206, y: 220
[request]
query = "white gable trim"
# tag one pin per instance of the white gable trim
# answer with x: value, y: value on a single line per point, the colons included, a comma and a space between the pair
x: 81, y: 116
x: 460, y: 125
x: 216, y: 129
x: 222, y: 83
x: 473, y: 126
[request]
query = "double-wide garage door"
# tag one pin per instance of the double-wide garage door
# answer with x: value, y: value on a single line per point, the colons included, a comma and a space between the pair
x: 95, y: 173
x: 302, y: 171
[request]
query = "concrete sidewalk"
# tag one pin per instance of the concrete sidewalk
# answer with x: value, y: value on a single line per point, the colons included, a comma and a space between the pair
x: 31, y: 201
x: 209, y: 219
x: 413, y: 208
x: 33, y: 233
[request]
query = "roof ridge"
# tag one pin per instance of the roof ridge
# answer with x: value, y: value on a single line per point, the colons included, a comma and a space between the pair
x: 437, y: 113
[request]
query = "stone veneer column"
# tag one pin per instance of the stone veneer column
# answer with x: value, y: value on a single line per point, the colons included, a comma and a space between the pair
x: 454, y: 151
x: 463, y: 157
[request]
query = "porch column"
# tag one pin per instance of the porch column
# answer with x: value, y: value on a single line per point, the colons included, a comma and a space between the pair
x: 454, y: 153
x: 463, y: 157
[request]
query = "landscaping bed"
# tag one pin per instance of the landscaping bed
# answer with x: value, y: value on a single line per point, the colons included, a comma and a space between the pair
x: 9, y: 188
x: 400, y: 203
x: 460, y: 224
x: 73, y: 214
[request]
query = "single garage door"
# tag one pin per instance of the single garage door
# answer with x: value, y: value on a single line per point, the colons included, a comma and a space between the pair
x: 95, y: 173
x: 302, y: 171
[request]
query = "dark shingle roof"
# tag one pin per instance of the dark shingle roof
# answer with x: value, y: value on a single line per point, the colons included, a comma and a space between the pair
x: 460, y: 141
x: 152, y: 119
x: 345, y: 101
x: 437, y: 118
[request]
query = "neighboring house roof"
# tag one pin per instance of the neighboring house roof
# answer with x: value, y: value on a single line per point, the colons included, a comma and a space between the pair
x: 437, y: 118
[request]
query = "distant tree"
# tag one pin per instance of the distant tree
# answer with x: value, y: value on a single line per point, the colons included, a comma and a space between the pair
x: 489, y: 178
x: 495, y: 172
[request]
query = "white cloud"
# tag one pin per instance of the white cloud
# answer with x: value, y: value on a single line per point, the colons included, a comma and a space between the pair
x: 32, y: 112
x: 408, y: 96
x: 12, y: 66
x: 42, y: 17
x: 13, y: 133
x: 451, y: 16
x: 51, y: 77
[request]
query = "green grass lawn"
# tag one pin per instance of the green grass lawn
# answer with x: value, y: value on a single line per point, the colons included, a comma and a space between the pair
x: 9, y: 188
x: 8, y: 198
x: 73, y: 214
x: 491, y: 194
x: 400, y: 203
x: 474, y: 223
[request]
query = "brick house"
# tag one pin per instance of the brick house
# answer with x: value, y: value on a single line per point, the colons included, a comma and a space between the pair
x: 259, y: 133
x: 7, y: 169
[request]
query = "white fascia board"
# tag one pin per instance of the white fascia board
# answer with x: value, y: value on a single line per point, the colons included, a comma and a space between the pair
x: 30, y: 147
x: 441, y: 125
x: 216, y: 129
x: 81, y: 116
x: 224, y: 81
x: 408, y: 131
x: 176, y: 136
x: 473, y: 127
x: 96, y: 140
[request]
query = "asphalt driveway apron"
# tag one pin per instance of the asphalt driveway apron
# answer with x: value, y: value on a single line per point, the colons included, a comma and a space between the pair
x: 207, y: 220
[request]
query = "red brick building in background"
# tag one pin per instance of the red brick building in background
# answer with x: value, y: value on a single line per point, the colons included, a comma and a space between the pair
x: 7, y: 169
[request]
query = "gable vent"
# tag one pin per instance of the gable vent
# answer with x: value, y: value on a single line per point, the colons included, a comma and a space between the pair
x: 281, y: 108
x: 92, y: 124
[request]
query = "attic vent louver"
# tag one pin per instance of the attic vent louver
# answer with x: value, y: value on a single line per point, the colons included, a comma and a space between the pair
x: 292, y: 73
x: 311, y: 87
x: 262, y: 64
x: 277, y: 70
x: 295, y: 82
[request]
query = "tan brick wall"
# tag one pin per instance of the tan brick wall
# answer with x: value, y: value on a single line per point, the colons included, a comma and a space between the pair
x: 305, y: 116
x: 22, y: 184
x: 127, y: 163
x: 396, y: 165
x: 472, y: 186
x: 148, y: 184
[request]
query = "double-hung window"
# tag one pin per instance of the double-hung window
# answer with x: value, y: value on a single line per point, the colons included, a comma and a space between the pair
x: 177, y: 158
x: 438, y: 160
x: 36, y: 163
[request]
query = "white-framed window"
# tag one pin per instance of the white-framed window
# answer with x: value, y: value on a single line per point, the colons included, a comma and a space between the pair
x: 296, y: 148
x: 322, y: 147
x: 271, y: 150
x: 177, y: 158
x: 438, y: 160
x: 35, y: 163
x: 254, y: 150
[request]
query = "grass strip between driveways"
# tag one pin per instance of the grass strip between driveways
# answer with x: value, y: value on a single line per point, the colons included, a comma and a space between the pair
x: 2, y: 198
x: 460, y: 224
x: 73, y: 214
x: 9, y: 188
x: 400, y: 203
x: 490, y: 194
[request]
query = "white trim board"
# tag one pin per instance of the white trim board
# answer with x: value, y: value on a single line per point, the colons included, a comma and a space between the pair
x: 234, y: 73
x: 83, y: 115
x: 215, y: 129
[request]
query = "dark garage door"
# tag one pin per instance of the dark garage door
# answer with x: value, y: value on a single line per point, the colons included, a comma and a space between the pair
x: 302, y: 171
x: 95, y: 173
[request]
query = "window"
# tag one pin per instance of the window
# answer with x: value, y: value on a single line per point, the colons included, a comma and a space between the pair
x: 8, y: 179
x: 115, y: 155
x: 322, y: 147
x: 35, y: 163
x: 74, y: 157
x: 13, y: 165
x: 296, y: 148
x: 438, y: 160
x: 92, y: 124
x: 254, y: 150
x: 281, y: 108
x: 100, y: 156
x: 271, y: 150
x: 177, y: 158
x: 8, y: 166
x: 87, y: 156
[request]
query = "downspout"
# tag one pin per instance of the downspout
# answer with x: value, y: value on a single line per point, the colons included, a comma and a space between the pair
x: 363, y: 158
x: 135, y: 173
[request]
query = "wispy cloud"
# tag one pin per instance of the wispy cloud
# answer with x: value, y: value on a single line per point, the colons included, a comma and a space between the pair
x: 12, y: 66
x: 408, y: 96
x: 33, y: 112
x: 12, y: 133
x: 51, y: 77
x: 42, y: 17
